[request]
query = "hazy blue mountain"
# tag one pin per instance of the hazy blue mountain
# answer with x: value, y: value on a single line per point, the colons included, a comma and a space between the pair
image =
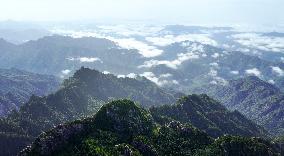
x: 207, y: 64
x: 183, y: 29
x: 182, y: 65
x: 22, y: 36
x: 54, y: 54
x: 274, y: 34
x: 17, y: 86
x: 186, y: 64
x: 21, y: 32
x: 256, y: 99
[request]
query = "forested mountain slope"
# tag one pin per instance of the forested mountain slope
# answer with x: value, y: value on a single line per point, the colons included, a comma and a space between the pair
x: 17, y: 86
x: 258, y: 100
x: 123, y: 128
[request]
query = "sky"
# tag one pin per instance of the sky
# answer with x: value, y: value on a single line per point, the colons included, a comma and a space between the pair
x: 171, y: 11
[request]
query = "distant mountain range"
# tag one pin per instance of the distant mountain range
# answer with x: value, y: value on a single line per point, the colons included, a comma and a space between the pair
x: 17, y: 86
x: 56, y: 54
x: 256, y: 99
x: 157, y: 67
x: 84, y: 93
x: 200, y: 64
x: 182, y: 65
x: 21, y: 32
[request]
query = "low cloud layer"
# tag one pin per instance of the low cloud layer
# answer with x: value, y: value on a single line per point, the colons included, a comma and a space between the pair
x: 182, y: 57
x: 253, y: 71
x: 260, y: 42
x: 130, y: 30
x: 234, y: 72
x: 85, y: 59
x: 65, y: 72
x: 194, y: 52
x: 170, y: 39
x: 159, y: 80
x: 143, y: 48
x: 278, y: 71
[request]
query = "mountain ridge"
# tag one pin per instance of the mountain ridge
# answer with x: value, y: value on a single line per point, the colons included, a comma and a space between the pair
x: 258, y: 100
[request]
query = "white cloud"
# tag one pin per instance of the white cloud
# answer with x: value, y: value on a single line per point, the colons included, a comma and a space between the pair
x: 204, y: 55
x: 175, y: 82
x: 245, y: 50
x: 127, y: 43
x: 65, y: 72
x: 131, y: 75
x: 216, y: 79
x: 143, y: 48
x: 193, y: 47
x: 214, y: 82
x: 194, y: 50
x: 234, y: 72
x: 166, y: 75
x: 172, y: 64
x: 151, y: 76
x: 91, y: 59
x: 77, y: 34
x: 221, y: 81
x: 253, y: 71
x: 213, y: 73
x: 278, y: 71
x: 271, y: 81
x: 226, y: 46
x: 85, y: 59
x: 121, y: 76
x: 215, y: 55
x: 214, y: 64
x: 130, y: 30
x: 260, y: 42
x: 170, y: 39
x: 160, y: 81
x: 106, y: 72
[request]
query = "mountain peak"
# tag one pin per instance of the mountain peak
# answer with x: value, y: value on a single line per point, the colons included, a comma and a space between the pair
x: 123, y: 117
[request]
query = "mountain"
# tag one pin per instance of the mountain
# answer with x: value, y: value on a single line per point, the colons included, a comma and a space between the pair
x: 17, y: 86
x: 123, y: 128
x: 185, y: 29
x: 208, y: 115
x: 274, y: 34
x: 80, y: 96
x: 22, y: 36
x: 21, y: 32
x: 56, y: 54
x: 258, y: 100
x: 182, y: 65
x: 191, y: 65
x: 87, y: 90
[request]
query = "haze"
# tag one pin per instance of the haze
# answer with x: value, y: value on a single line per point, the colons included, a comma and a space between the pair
x: 178, y: 11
